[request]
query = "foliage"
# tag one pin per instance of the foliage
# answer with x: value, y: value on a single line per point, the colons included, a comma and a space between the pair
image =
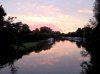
x: 18, y: 32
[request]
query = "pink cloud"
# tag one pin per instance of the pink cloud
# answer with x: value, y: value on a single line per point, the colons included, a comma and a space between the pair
x: 88, y: 11
x: 50, y: 16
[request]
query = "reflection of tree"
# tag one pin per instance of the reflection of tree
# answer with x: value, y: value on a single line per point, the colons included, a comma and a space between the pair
x: 93, y: 66
x: 13, y: 54
x: 84, y: 53
x: 13, y: 68
x: 79, y: 44
x: 86, y: 66
x: 93, y: 44
x: 43, y: 46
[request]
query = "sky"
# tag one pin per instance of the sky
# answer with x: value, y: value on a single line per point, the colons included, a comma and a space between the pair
x: 60, y: 15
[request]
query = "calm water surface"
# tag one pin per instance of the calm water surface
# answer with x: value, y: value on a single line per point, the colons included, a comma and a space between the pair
x: 63, y: 57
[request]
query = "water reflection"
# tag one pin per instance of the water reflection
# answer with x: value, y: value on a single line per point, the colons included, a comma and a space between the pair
x: 92, y: 49
x: 62, y: 58
x: 9, y: 55
x: 13, y: 68
x: 59, y: 57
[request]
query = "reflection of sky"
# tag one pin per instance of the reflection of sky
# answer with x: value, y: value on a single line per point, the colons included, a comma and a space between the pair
x: 66, y: 15
x: 63, y: 57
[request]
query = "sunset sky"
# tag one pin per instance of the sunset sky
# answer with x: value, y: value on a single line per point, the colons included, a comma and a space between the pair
x: 63, y: 15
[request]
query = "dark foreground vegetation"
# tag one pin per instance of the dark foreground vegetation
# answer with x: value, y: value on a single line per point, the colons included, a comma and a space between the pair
x: 8, y: 57
x: 93, y: 44
x: 91, y: 33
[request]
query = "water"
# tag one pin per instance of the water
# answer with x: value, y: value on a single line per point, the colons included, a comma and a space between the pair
x: 62, y: 57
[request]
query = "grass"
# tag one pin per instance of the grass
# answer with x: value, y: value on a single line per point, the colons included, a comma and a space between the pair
x: 24, y: 47
x: 30, y: 44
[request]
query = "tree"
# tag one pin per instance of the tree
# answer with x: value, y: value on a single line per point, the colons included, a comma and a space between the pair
x: 25, y: 29
x: 87, y: 32
x: 97, y: 17
x: 95, y: 33
x: 46, y: 29
x: 2, y: 14
x: 97, y: 11
x: 79, y: 32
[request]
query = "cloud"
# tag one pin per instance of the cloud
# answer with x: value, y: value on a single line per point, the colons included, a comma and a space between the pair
x: 62, y: 21
x: 34, y: 14
x: 62, y: 13
x: 87, y: 11
x: 48, y: 9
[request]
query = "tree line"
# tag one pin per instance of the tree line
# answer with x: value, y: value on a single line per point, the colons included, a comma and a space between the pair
x: 18, y: 32
x: 91, y: 32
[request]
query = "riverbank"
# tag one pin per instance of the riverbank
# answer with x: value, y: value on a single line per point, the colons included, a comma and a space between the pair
x: 15, y: 52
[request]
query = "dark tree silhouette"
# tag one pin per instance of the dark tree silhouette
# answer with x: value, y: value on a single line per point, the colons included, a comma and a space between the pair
x: 12, y: 33
x: 93, y: 45
x: 25, y: 29
x: 46, y: 29
x: 96, y: 30
x: 2, y: 14
x: 97, y: 12
x: 79, y: 32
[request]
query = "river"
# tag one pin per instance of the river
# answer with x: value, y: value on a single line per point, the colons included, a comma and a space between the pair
x: 62, y: 57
